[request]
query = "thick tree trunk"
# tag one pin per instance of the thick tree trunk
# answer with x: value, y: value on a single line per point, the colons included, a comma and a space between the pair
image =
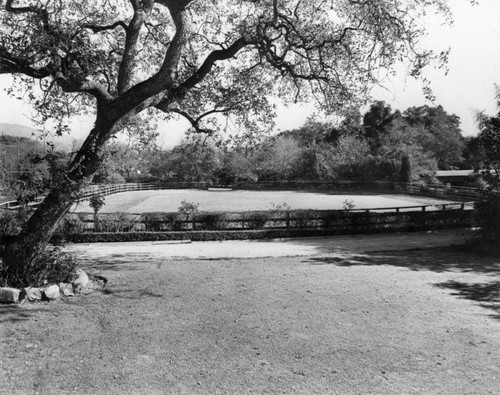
x: 37, y: 232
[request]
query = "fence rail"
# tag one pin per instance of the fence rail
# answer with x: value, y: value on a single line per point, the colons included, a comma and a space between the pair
x: 455, y: 193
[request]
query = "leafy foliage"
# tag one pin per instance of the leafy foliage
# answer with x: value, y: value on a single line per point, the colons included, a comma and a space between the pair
x: 210, y: 221
x: 96, y: 202
x: 488, y: 204
x: 52, y: 266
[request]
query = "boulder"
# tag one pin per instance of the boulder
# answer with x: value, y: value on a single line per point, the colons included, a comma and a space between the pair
x: 52, y: 293
x: 82, y: 281
x: 31, y: 294
x: 9, y: 295
x: 66, y: 289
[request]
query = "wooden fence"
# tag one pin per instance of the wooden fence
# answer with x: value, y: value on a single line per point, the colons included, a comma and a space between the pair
x: 434, y: 190
x: 440, y: 191
x: 341, y: 221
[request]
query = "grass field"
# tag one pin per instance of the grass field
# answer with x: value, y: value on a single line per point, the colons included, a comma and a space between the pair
x: 222, y: 200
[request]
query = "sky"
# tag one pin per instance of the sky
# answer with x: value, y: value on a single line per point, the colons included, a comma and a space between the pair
x: 468, y: 87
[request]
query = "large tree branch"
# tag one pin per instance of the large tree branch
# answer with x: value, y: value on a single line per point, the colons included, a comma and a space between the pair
x: 93, y: 88
x: 149, y: 92
x: 195, y: 122
x: 141, y: 12
x: 179, y: 14
x: 9, y: 64
x: 202, y: 72
x: 153, y: 93
x: 113, y: 26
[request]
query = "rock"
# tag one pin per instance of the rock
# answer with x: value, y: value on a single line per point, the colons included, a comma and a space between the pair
x: 9, y: 295
x: 51, y: 293
x: 31, y: 294
x: 66, y: 289
x: 82, y: 281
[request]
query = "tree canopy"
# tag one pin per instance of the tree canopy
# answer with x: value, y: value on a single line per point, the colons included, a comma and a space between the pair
x: 198, y: 58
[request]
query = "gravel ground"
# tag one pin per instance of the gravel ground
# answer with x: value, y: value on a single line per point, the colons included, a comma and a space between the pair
x: 348, y: 321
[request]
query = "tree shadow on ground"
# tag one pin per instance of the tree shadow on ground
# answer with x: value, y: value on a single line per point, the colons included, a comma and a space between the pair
x: 438, y: 260
x: 486, y: 294
x: 112, y: 262
x: 125, y: 293
x: 13, y: 313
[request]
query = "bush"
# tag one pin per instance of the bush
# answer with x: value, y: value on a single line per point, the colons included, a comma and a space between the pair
x: 124, y: 222
x: 11, y: 222
x: 256, y: 220
x: 210, y: 221
x: 302, y: 219
x: 71, y: 224
x: 488, y: 218
x: 333, y: 219
x: 157, y: 222
x: 51, y: 266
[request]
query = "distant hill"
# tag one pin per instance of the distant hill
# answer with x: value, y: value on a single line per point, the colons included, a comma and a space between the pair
x: 16, y: 130
x: 13, y: 129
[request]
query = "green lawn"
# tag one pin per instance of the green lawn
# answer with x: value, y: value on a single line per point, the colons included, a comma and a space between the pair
x: 170, y: 200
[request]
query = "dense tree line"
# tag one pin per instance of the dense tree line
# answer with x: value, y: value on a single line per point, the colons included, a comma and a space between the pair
x: 366, y: 147
x: 379, y: 145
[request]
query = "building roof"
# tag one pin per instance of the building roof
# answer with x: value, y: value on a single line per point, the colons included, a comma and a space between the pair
x: 454, y: 173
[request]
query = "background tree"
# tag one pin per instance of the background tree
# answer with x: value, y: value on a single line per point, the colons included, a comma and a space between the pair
x: 488, y: 204
x: 403, y: 140
x: 195, y: 158
x: 117, y: 59
x: 346, y: 159
x: 376, y: 123
x: 441, y: 134
x: 278, y: 158
x: 474, y: 153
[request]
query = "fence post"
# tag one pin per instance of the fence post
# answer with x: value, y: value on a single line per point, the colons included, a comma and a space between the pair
x: 243, y: 221
x: 287, y: 217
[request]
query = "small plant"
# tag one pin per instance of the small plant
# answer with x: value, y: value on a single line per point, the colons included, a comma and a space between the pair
x: 281, y: 214
x: 283, y: 207
x: 188, y: 208
x: 96, y: 202
x: 348, y: 205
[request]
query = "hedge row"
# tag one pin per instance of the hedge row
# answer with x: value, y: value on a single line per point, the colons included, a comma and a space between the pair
x: 219, y: 235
